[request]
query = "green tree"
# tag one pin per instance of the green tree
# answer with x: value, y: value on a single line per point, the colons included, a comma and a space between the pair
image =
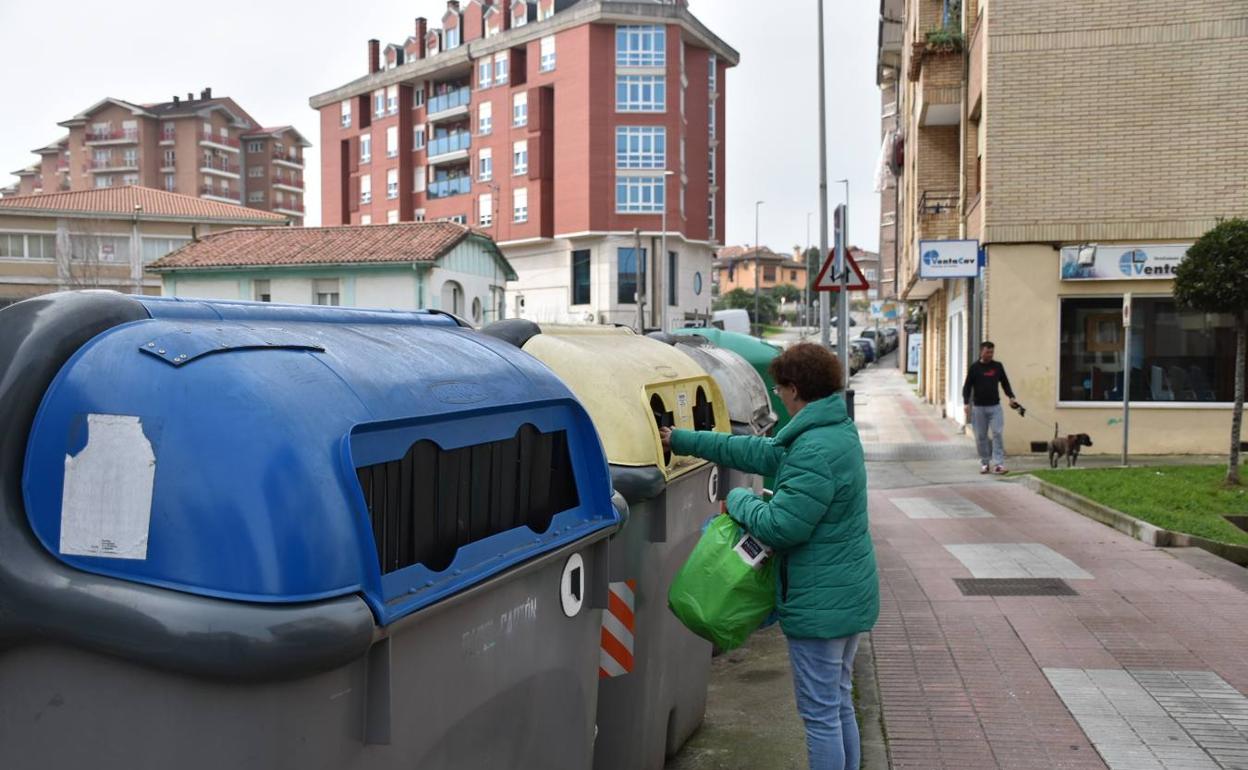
x: 740, y: 298
x: 1214, y: 279
x: 786, y: 292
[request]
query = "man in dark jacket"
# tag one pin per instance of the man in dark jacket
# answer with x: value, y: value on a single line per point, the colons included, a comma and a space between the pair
x: 983, y: 407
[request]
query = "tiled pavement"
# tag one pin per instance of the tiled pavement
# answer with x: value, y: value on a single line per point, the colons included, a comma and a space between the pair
x: 1143, y: 668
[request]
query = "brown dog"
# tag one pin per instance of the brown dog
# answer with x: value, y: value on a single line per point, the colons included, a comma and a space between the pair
x: 1067, y: 446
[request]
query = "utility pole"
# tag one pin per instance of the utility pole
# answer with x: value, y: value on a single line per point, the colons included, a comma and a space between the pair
x: 663, y: 262
x: 806, y: 285
x: 757, y: 321
x: 825, y: 302
x: 638, y: 273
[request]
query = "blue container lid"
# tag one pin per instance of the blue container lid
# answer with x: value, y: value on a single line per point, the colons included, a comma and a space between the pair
x: 218, y: 448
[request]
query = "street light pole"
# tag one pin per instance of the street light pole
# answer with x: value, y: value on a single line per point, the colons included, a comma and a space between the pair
x: 806, y: 283
x: 663, y: 262
x: 824, y: 301
x: 757, y: 321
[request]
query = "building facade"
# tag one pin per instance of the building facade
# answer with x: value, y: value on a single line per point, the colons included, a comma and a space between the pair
x: 104, y: 239
x: 1080, y: 148
x: 571, y: 133
x: 408, y: 266
x: 208, y: 147
x: 735, y: 266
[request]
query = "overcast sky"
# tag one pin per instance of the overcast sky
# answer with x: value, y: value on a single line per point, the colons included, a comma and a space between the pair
x: 271, y: 57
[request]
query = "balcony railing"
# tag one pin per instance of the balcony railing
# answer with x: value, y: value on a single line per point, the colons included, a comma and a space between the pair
x: 445, y: 188
x: 289, y: 207
x: 120, y: 135
x: 449, y: 101
x: 287, y: 181
x: 62, y: 165
x: 208, y: 136
x: 220, y: 164
x: 934, y: 203
x: 114, y: 163
x: 225, y: 194
x: 444, y: 145
x: 168, y: 136
x: 281, y: 156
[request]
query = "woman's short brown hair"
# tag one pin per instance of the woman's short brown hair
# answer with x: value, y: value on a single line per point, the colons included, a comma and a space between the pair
x: 813, y: 369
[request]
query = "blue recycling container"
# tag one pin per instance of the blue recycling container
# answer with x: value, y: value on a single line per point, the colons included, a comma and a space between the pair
x: 260, y: 536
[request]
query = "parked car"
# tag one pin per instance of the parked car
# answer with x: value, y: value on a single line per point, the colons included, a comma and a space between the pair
x: 876, y: 339
x: 869, y: 349
x: 857, y: 358
x: 732, y: 320
x: 892, y: 336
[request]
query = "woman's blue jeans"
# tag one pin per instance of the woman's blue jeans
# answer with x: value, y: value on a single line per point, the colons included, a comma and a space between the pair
x: 823, y: 678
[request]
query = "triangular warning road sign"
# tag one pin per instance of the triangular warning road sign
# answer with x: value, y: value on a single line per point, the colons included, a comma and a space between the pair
x: 828, y: 280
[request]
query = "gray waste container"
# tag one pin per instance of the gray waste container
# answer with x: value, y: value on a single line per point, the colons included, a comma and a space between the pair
x: 745, y: 394
x: 240, y: 535
x: 654, y: 671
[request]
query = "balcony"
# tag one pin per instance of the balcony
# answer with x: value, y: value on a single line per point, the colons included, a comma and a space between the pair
x: 445, y: 188
x: 290, y: 183
x: 449, y: 148
x: 114, y: 164
x: 225, y: 196
x: 287, y: 160
x: 168, y: 137
x: 62, y: 164
x: 449, y: 105
x: 227, y: 143
x: 293, y: 209
x: 121, y: 136
x: 220, y: 167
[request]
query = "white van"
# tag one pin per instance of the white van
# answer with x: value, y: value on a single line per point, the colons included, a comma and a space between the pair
x: 734, y: 320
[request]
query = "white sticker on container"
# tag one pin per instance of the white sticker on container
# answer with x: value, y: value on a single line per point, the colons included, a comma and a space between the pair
x: 572, y: 585
x: 712, y: 484
x: 682, y: 405
x: 106, y: 507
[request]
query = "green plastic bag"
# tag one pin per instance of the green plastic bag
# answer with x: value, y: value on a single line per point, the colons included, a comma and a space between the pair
x: 716, y: 594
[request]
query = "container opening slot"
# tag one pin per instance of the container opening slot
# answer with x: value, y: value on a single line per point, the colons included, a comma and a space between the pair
x: 703, y: 412
x: 664, y: 419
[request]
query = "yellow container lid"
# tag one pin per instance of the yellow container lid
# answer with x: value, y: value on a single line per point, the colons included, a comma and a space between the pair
x: 628, y: 383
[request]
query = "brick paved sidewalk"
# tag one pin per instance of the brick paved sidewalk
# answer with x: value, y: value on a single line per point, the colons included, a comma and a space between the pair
x: 1140, y: 667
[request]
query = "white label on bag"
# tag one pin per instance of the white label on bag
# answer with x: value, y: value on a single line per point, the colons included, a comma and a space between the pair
x: 751, y: 551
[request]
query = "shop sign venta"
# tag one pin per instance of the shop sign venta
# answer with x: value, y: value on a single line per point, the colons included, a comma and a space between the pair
x: 1122, y: 263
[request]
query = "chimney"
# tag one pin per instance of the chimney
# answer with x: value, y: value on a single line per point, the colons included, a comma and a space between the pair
x: 452, y: 6
x: 176, y: 99
x: 374, y: 55
x: 206, y: 93
x: 190, y: 96
x: 422, y: 32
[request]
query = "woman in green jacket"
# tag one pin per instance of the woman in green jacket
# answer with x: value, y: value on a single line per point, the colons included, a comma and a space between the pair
x: 816, y: 522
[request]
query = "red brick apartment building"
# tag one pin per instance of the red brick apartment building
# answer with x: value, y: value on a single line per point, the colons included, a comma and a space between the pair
x: 207, y: 147
x: 549, y: 125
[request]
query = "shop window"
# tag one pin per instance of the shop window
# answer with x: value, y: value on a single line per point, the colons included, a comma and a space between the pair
x: 1176, y: 355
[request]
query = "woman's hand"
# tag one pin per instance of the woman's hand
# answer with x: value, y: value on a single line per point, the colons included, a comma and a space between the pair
x: 665, y: 435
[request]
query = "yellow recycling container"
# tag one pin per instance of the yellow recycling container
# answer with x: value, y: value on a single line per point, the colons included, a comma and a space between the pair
x: 654, y: 672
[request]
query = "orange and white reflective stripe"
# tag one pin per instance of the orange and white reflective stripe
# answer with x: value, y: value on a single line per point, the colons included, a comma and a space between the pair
x: 616, y: 657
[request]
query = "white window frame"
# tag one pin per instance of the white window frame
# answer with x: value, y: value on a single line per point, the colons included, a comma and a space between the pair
x: 366, y: 148
x: 453, y: 37
x: 485, y: 118
x: 634, y: 52
x: 255, y: 196
x: 392, y: 183
x: 379, y: 103
x: 520, y: 204
x: 392, y: 216
x: 520, y: 157
x: 418, y: 96
x: 392, y: 100
x: 326, y: 298
x: 502, y: 75
x: 520, y: 109
x: 392, y: 141
x: 366, y: 219
x: 485, y: 165
x: 171, y: 182
x: 170, y: 158
x: 643, y: 93
x: 712, y: 75
x: 645, y: 147
x: 255, y: 172
x: 418, y: 137
x: 345, y: 114
x: 635, y: 189
x: 485, y: 73
x: 366, y: 188
x: 519, y: 20
x: 485, y: 209
x: 547, y: 49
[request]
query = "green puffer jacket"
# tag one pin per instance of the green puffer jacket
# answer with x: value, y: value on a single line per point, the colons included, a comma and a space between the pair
x: 816, y: 519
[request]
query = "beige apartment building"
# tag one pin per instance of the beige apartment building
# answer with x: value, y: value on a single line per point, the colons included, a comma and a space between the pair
x: 208, y: 147
x: 1042, y: 161
x: 105, y: 239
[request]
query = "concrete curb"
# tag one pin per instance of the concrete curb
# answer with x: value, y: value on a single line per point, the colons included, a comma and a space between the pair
x: 874, y: 744
x: 1129, y: 525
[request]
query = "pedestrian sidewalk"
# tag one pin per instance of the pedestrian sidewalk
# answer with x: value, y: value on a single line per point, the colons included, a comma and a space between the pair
x: 1015, y: 633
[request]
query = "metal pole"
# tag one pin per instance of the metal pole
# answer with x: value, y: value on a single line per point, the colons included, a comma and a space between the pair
x: 1126, y: 376
x: 806, y: 283
x: 842, y: 321
x: 637, y: 297
x: 663, y: 262
x: 825, y: 303
x: 757, y: 321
